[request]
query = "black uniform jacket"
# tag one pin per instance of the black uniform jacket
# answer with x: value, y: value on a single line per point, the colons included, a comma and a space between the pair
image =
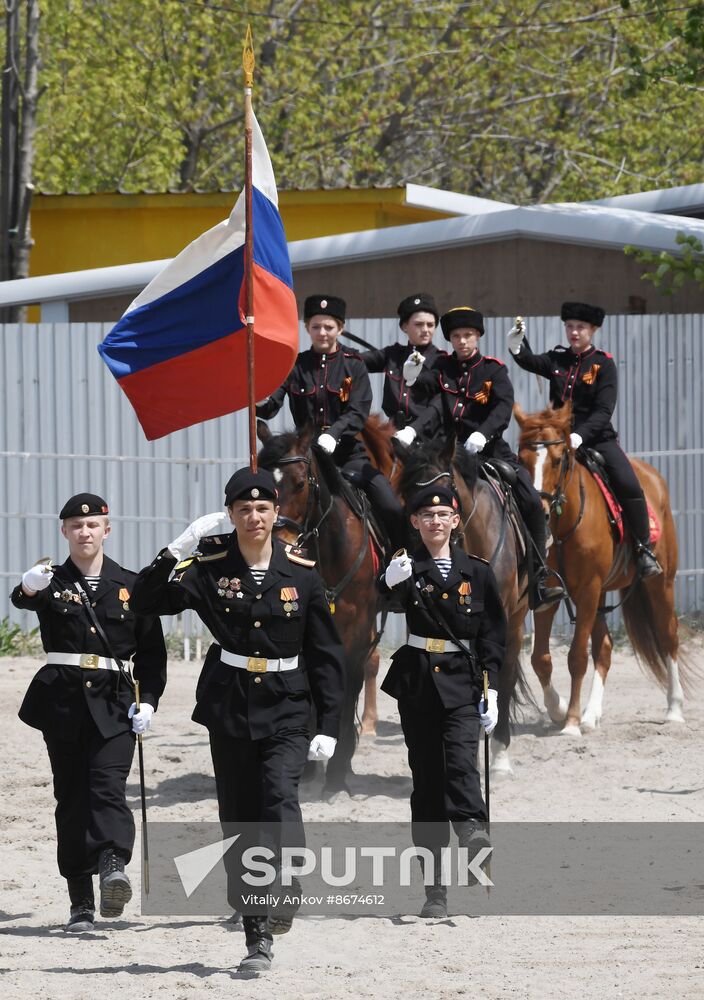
x: 402, y: 403
x: 330, y: 391
x: 265, y: 621
x: 469, y: 602
x: 59, y: 696
x: 589, y: 381
x: 474, y: 395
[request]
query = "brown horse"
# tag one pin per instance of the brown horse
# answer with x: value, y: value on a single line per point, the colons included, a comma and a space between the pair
x: 320, y: 520
x: 592, y: 563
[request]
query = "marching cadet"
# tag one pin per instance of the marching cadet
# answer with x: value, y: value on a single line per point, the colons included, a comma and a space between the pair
x: 276, y: 649
x: 448, y: 596
x: 329, y: 389
x: 83, y: 703
x: 586, y: 376
x: 475, y: 402
x: 409, y: 379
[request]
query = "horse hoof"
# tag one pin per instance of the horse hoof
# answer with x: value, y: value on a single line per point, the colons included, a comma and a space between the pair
x: 367, y: 732
x: 501, y: 764
x: 591, y: 722
x: 571, y: 730
x: 555, y: 705
x: 674, y: 715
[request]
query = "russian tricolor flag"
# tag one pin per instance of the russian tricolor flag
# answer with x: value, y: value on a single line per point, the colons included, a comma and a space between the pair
x: 180, y: 350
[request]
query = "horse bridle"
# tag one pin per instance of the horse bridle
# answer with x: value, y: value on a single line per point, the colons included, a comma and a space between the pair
x: 558, y: 498
x: 302, y: 530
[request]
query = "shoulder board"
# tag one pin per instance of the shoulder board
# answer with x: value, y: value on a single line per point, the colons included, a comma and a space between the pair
x: 347, y: 353
x: 184, y: 564
x: 487, y: 357
x: 211, y: 558
x: 294, y: 555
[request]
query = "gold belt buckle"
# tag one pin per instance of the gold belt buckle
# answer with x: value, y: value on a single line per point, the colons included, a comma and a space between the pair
x: 256, y: 664
x: 435, y: 645
x: 89, y: 661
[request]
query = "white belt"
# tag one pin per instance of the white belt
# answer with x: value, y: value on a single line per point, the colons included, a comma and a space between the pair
x: 258, y: 664
x: 87, y: 661
x: 432, y: 645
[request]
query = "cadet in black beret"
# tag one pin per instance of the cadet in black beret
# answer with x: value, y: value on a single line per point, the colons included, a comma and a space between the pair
x: 84, y: 705
x: 445, y: 593
x: 586, y: 376
x: 329, y: 390
x: 410, y: 377
x: 276, y: 652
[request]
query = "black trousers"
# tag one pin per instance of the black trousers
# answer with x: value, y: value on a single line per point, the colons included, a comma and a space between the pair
x: 531, y: 508
x: 442, y: 754
x: 90, y: 775
x: 257, y: 783
x: 382, y: 498
x: 628, y: 490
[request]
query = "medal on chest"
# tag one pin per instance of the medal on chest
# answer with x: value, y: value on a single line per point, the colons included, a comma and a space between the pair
x: 289, y: 599
x: 465, y: 594
x: 229, y: 588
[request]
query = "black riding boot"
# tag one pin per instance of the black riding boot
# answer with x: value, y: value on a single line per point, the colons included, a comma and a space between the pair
x: 436, y: 894
x: 472, y: 834
x: 386, y: 506
x: 259, y: 946
x: 115, y: 888
x: 80, y: 891
x: 540, y: 596
x: 635, y: 512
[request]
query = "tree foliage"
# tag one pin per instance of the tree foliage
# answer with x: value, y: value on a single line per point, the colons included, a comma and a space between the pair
x: 524, y: 102
x: 671, y: 272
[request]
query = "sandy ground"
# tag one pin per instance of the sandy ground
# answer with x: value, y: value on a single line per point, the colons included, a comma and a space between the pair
x: 633, y: 768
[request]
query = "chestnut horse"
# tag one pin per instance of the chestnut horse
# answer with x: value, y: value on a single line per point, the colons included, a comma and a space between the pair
x: 592, y: 563
x: 323, y: 523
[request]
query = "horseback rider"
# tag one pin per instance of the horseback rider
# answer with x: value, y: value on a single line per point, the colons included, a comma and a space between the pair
x: 475, y: 402
x: 329, y: 389
x: 409, y: 377
x: 586, y: 376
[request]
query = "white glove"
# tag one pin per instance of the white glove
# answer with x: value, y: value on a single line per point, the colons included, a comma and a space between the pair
x: 37, y: 578
x: 322, y: 747
x: 515, y: 337
x: 406, y: 435
x: 327, y: 442
x: 210, y: 524
x: 142, y: 719
x: 398, y: 570
x: 475, y: 442
x: 489, y: 716
x: 575, y: 440
x: 412, y: 367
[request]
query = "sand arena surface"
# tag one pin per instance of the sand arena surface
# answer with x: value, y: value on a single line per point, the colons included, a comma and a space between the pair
x: 633, y: 768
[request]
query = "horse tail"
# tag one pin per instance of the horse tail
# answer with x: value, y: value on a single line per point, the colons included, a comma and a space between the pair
x: 640, y: 621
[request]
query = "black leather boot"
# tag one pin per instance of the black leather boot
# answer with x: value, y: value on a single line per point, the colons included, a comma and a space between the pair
x: 646, y: 563
x: 82, y: 918
x: 436, y: 894
x: 540, y: 596
x: 115, y: 888
x: 635, y: 512
x: 280, y: 918
x: 472, y: 834
x: 259, y: 947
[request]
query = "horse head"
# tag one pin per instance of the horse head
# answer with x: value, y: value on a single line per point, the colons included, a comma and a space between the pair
x: 290, y: 459
x: 544, y: 449
x: 423, y: 464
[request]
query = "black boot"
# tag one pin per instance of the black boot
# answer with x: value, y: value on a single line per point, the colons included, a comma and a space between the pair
x: 646, y: 563
x: 80, y: 891
x: 115, y: 888
x: 635, y: 512
x: 540, y: 596
x: 436, y: 894
x: 280, y: 918
x: 259, y: 947
x: 473, y: 834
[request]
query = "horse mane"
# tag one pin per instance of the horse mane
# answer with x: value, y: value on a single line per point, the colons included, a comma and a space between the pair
x: 423, y: 461
x: 534, y: 425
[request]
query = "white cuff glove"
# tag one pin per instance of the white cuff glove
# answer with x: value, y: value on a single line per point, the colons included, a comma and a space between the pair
x: 322, y: 747
x: 575, y: 440
x: 398, y: 570
x: 412, y: 367
x: 489, y: 716
x: 475, y: 442
x: 210, y: 524
x: 406, y: 435
x: 515, y: 336
x: 142, y: 719
x: 327, y: 442
x: 37, y: 578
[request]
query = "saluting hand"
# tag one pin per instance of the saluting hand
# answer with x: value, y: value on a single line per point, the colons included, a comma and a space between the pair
x: 515, y: 336
x: 489, y: 714
x: 412, y: 367
x: 398, y: 570
x: 37, y: 578
x: 217, y: 523
x: 322, y: 747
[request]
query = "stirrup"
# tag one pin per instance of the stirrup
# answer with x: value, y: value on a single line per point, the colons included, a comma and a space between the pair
x: 646, y: 561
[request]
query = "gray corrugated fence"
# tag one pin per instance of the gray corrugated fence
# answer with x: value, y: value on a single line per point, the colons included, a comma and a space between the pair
x: 67, y: 427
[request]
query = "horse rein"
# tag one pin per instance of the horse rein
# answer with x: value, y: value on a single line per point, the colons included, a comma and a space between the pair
x: 303, y: 531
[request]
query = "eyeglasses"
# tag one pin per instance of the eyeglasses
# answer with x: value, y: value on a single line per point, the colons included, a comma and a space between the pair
x: 443, y: 516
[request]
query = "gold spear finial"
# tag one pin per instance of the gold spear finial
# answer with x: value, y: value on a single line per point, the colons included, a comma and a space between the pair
x: 248, y: 58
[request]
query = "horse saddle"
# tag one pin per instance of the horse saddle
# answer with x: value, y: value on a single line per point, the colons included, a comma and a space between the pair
x: 502, y: 477
x: 594, y: 462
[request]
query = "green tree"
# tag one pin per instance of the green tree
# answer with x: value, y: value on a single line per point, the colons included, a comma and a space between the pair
x: 671, y: 271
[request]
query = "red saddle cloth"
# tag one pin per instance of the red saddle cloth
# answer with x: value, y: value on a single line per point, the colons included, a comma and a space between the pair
x: 616, y: 513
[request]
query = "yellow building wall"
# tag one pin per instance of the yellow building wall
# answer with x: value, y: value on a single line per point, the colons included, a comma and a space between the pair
x: 75, y: 232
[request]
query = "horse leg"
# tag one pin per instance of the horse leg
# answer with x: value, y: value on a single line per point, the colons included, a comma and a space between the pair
x: 369, y: 714
x: 508, y: 676
x: 665, y: 626
x: 578, y: 656
x: 602, y: 647
x: 541, y: 661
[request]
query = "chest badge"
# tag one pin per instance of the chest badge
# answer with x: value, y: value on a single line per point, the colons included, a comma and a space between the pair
x: 345, y: 388
x: 289, y: 597
x: 589, y: 378
x: 228, y: 588
x: 465, y: 592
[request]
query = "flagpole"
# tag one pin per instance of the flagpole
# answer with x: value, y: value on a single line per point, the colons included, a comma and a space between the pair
x: 248, y: 68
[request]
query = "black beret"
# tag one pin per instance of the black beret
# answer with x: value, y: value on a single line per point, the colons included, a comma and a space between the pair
x: 461, y: 316
x: 433, y: 496
x: 82, y: 505
x: 324, y: 305
x: 247, y: 485
x: 580, y: 310
x: 420, y: 302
